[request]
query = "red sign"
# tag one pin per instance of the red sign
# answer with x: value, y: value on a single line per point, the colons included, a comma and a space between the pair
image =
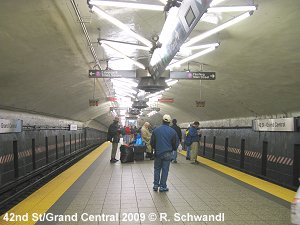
x: 112, y: 99
x: 166, y: 100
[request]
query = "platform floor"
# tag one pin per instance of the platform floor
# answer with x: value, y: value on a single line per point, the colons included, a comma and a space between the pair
x: 107, y: 188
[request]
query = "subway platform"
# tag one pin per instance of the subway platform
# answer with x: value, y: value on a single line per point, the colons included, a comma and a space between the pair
x: 94, y: 191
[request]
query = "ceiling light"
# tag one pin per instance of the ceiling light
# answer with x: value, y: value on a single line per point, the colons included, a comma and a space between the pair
x: 199, y: 46
x: 123, y: 82
x: 215, y: 2
x: 127, y: 45
x: 138, y: 64
x: 216, y: 30
x: 171, y: 82
x: 128, y: 5
x: 121, y: 25
x: 231, y: 9
x: 192, y: 57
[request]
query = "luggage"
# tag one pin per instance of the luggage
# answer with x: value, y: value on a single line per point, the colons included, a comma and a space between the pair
x: 139, y: 151
x: 127, y: 154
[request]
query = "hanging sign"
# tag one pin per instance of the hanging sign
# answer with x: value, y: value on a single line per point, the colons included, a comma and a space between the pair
x: 11, y: 126
x: 200, y: 103
x: 177, y: 28
x: 193, y: 75
x: 171, y: 100
x: 281, y: 124
x: 94, y: 102
x: 112, y: 74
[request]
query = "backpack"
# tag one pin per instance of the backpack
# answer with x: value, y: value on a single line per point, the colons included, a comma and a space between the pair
x: 188, y: 139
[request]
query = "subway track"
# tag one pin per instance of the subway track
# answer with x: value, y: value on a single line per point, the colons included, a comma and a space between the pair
x: 14, y: 192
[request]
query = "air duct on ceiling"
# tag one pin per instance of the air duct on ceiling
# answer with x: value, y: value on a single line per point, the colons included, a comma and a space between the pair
x: 148, y: 84
x: 141, y: 104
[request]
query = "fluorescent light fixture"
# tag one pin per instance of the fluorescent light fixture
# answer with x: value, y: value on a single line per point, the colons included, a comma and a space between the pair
x: 121, y: 25
x: 125, y: 90
x: 124, y: 81
x: 126, y: 45
x: 138, y: 64
x: 216, y: 30
x: 231, y: 9
x: 124, y: 94
x: 172, y: 82
x: 180, y: 62
x: 215, y: 2
x: 128, y: 5
x: 200, y: 46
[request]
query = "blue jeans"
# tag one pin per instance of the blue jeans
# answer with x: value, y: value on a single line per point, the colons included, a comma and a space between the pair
x: 188, y: 151
x: 161, y: 169
x: 174, y: 155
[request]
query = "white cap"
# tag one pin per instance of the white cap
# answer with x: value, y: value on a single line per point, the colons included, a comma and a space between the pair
x: 167, y: 118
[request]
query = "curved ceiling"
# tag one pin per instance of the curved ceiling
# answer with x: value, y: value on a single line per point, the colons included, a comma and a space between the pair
x: 45, y: 61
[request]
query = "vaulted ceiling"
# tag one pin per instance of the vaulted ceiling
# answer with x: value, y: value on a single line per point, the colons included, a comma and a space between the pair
x: 45, y: 60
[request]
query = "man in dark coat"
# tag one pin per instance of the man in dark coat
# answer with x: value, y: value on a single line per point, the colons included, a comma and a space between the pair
x: 114, y: 137
x: 179, y: 134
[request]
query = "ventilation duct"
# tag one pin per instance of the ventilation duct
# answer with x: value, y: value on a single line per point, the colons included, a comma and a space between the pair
x: 139, y: 104
x: 148, y: 84
x: 134, y: 111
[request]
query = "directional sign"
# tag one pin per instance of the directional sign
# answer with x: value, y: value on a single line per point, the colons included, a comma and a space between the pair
x: 193, y: 75
x: 177, y: 27
x: 112, y: 74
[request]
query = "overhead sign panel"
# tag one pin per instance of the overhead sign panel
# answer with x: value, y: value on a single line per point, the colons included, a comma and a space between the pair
x: 193, y: 75
x: 11, y: 126
x: 177, y: 28
x: 112, y: 74
x: 281, y: 124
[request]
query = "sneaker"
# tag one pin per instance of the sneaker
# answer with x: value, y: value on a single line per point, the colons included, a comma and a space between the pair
x: 113, y: 161
x: 188, y: 158
x: 174, y: 161
x: 163, y: 189
x: 116, y: 159
x: 155, y: 188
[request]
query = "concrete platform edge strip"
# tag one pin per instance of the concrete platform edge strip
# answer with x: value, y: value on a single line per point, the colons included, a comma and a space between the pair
x: 41, y: 200
x: 273, y: 189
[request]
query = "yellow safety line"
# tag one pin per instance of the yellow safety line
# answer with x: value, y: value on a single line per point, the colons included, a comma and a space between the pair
x: 41, y: 200
x: 268, y: 187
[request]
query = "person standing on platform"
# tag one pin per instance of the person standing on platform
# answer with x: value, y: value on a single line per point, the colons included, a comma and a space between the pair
x: 164, y: 140
x: 146, y: 136
x: 195, y: 138
x: 187, y: 148
x: 114, y: 137
x: 127, y: 134
x: 178, y: 131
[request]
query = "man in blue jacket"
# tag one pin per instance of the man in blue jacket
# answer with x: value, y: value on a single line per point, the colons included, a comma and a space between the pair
x: 195, y: 138
x: 164, y: 140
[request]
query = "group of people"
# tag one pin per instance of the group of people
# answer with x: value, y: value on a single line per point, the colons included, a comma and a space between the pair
x: 161, y: 145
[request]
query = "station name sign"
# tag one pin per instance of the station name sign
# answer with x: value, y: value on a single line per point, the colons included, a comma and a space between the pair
x: 112, y: 74
x: 73, y: 127
x: 281, y: 124
x: 193, y: 75
x: 10, y: 126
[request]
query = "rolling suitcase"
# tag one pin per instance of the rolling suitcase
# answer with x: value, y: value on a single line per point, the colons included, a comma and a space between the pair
x: 126, y: 154
x: 139, y: 151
